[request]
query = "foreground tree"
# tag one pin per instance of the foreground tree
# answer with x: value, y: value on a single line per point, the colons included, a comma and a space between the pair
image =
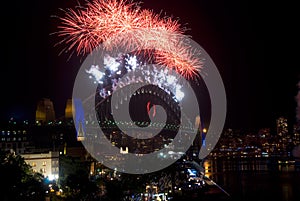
x: 18, y: 181
x: 75, y: 181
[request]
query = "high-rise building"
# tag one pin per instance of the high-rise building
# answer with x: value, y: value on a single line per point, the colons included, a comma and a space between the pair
x: 282, y: 127
x: 45, y: 111
x: 282, y: 132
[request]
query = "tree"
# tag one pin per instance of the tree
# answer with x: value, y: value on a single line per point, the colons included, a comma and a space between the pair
x: 18, y: 181
x: 74, y: 179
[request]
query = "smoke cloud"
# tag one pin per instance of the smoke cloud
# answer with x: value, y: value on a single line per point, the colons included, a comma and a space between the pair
x: 298, y: 104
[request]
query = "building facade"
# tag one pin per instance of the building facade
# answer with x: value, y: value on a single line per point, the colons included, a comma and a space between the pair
x: 45, y: 163
x: 14, y: 137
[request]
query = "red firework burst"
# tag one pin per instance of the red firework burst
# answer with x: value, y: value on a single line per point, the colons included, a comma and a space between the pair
x: 115, y: 23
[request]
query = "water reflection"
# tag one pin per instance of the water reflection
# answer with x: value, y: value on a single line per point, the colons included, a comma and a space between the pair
x: 259, y: 179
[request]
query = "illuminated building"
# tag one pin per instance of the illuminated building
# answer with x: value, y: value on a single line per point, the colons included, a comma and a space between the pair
x: 14, y: 137
x: 282, y: 132
x: 45, y: 163
x: 45, y: 111
x: 296, y: 135
x: 282, y: 127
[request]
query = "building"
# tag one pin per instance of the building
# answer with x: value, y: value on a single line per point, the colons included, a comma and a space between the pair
x: 282, y: 127
x: 45, y: 163
x: 45, y: 111
x: 14, y: 136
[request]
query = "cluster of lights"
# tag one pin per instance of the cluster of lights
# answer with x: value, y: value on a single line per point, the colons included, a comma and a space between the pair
x: 111, y: 79
x: 113, y: 124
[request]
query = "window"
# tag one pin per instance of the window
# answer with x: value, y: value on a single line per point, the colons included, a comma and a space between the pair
x: 44, y: 163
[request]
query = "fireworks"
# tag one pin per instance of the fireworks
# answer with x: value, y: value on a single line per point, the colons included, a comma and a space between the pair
x: 142, y: 74
x: 114, y: 23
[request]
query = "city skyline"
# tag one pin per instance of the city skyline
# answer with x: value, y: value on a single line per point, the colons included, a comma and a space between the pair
x: 149, y: 100
x: 260, y: 86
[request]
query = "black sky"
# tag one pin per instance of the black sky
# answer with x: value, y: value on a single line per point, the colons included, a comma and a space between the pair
x: 250, y: 42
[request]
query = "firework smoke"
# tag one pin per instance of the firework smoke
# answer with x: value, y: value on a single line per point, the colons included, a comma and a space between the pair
x: 114, y: 23
x: 298, y: 104
x: 296, y: 150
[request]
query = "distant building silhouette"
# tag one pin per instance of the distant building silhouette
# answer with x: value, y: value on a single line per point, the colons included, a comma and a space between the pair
x: 45, y: 111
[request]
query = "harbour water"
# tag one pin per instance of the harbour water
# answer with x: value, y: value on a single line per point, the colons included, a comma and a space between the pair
x: 252, y: 179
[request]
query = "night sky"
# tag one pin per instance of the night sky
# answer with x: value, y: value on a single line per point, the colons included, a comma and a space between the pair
x: 250, y: 42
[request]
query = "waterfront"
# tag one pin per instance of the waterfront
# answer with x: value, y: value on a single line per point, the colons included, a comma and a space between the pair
x: 253, y: 179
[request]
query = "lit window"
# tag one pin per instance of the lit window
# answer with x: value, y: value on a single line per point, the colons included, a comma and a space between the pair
x: 44, y: 163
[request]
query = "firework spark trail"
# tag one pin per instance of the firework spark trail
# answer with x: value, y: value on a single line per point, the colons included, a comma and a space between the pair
x: 183, y: 59
x: 123, y: 23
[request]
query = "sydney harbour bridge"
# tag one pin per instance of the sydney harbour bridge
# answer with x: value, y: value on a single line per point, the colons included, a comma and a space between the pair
x: 142, y: 86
